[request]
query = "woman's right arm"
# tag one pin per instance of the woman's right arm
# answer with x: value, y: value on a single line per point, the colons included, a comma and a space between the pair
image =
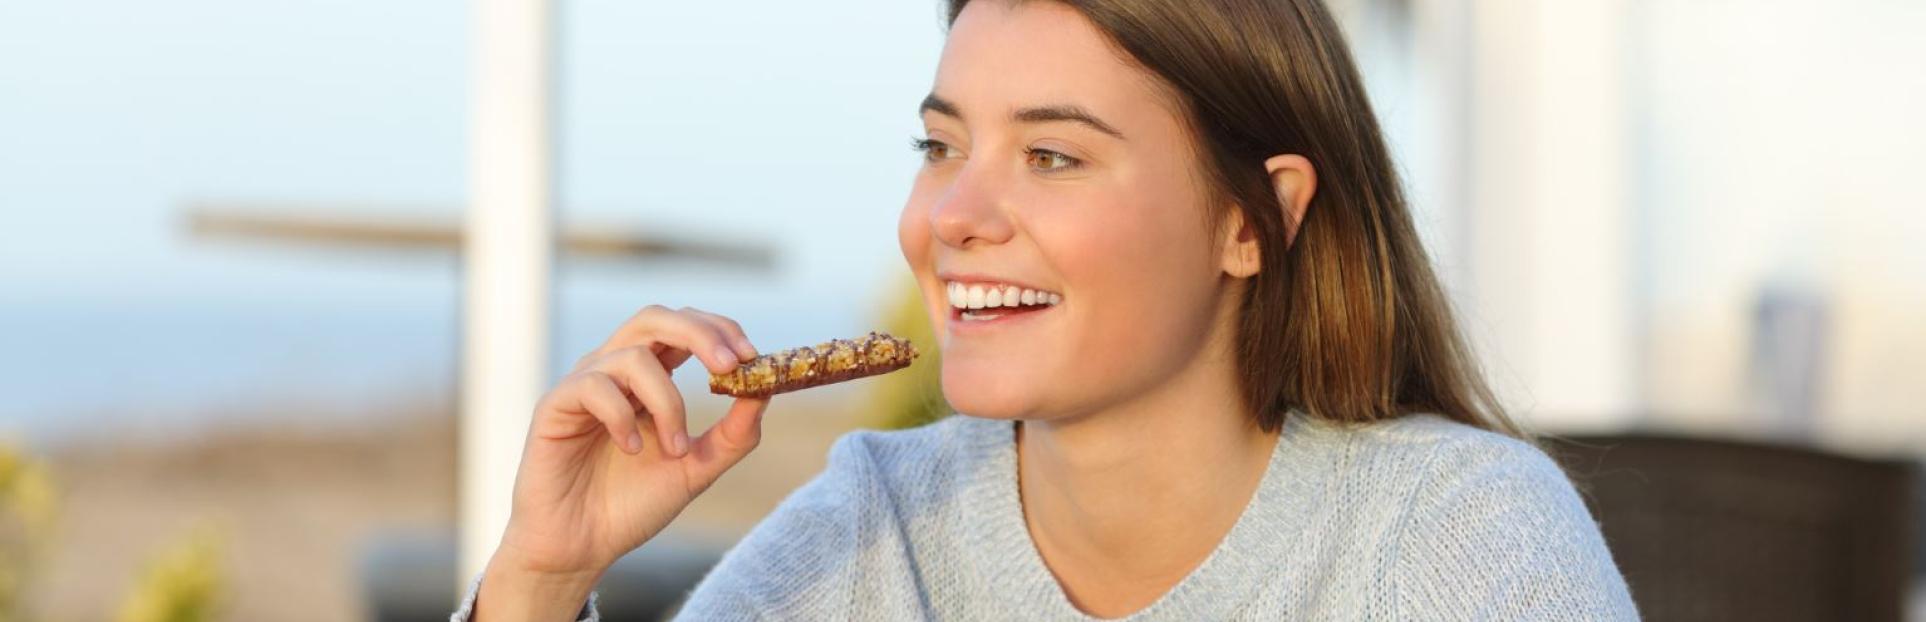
x: 589, y: 488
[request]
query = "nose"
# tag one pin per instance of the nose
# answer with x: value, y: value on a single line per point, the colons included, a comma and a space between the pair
x: 971, y: 212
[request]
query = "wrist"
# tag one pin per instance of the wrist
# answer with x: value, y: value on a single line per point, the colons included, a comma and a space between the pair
x: 512, y: 589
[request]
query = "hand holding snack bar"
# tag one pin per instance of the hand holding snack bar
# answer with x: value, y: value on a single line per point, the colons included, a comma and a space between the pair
x: 608, y: 462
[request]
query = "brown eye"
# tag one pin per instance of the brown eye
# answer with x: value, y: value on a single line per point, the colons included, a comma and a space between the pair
x: 933, y: 150
x: 1047, y: 160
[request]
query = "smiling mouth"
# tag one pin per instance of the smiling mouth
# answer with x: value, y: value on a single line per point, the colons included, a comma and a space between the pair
x: 980, y: 302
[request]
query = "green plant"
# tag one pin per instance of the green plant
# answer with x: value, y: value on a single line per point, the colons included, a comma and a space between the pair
x: 29, y: 501
x: 183, y: 583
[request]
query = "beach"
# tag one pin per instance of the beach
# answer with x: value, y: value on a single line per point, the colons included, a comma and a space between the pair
x: 295, y: 508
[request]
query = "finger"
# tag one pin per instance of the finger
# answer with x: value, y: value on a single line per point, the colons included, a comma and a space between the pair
x: 656, y: 325
x: 730, y: 330
x: 726, y: 442
x: 699, y: 338
x: 649, y: 384
x: 629, y: 333
x: 605, y: 401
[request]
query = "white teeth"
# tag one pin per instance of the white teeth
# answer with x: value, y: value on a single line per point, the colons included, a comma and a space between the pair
x: 996, y: 296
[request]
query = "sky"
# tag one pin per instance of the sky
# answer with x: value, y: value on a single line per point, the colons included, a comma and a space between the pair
x: 1773, y: 144
x: 779, y: 124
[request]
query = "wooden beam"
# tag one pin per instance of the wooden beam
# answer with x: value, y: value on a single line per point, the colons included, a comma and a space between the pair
x: 323, y: 225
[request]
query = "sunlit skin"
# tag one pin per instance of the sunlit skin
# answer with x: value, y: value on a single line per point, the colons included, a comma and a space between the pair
x: 1135, y: 455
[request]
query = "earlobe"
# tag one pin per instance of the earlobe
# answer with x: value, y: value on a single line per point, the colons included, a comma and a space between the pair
x: 1295, y: 181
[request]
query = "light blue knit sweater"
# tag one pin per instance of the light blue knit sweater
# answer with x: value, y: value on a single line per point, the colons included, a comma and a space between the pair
x: 1418, y: 518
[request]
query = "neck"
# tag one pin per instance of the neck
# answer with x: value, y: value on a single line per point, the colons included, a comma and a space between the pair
x: 1131, y: 499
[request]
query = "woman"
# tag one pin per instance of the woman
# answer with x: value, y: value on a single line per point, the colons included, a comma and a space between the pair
x: 1247, y: 402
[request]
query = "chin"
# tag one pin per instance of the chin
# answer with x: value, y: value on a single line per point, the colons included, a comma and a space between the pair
x: 990, y: 393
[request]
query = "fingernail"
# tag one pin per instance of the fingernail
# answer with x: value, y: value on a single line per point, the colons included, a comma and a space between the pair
x: 635, y: 441
x: 745, y: 346
x: 726, y: 354
x: 681, y: 443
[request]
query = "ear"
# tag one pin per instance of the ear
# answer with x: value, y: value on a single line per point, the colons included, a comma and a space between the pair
x: 1241, y: 258
x: 1294, y: 180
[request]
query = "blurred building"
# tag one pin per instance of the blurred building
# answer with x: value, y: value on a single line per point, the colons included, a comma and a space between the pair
x: 1678, y: 215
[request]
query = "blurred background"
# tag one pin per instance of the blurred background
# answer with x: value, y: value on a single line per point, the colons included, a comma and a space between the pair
x: 232, y: 281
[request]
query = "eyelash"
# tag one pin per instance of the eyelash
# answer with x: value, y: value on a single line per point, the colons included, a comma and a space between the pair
x: 928, y: 148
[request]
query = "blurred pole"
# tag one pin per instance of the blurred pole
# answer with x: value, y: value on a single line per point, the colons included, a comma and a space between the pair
x: 1548, y: 208
x: 508, y: 255
x: 1789, y: 344
x: 1439, y: 102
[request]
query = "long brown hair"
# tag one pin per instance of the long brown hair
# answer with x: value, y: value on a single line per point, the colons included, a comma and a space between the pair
x: 1349, y: 322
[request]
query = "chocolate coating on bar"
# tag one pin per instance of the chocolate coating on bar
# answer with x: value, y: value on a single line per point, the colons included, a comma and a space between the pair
x: 828, y: 363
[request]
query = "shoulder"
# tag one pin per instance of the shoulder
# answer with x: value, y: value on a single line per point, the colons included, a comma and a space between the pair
x: 1407, y: 472
x: 1402, y: 452
x: 1450, y: 453
x: 892, y: 447
x: 867, y: 468
x: 1396, y: 464
x: 918, y: 460
x: 1442, y: 471
x: 840, y: 530
x: 1488, y: 524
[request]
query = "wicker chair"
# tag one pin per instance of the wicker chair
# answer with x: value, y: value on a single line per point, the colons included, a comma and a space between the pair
x: 1724, y: 530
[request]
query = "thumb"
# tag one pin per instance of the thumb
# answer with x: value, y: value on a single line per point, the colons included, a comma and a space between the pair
x: 726, y: 442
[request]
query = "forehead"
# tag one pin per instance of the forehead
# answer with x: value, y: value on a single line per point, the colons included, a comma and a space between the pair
x: 1002, y: 55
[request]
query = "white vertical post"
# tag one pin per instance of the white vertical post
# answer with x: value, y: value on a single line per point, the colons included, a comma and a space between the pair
x: 1439, y: 100
x: 1548, y: 210
x: 507, y: 255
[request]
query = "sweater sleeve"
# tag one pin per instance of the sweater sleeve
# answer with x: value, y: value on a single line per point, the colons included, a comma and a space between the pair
x: 797, y: 563
x: 1499, y: 533
x: 466, y: 611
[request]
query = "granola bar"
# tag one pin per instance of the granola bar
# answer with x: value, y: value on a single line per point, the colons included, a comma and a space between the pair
x: 828, y: 363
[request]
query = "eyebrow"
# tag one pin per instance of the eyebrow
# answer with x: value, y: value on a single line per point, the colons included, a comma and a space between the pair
x: 1038, y: 114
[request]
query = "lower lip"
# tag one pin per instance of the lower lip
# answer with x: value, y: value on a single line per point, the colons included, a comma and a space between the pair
x: 959, y: 325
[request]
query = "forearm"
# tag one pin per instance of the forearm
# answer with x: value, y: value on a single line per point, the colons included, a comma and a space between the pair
x: 512, y: 592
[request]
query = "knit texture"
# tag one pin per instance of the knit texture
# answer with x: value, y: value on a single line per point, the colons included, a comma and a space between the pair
x: 1415, y: 518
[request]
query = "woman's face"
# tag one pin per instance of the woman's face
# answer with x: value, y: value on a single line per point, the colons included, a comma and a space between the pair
x: 1056, y: 166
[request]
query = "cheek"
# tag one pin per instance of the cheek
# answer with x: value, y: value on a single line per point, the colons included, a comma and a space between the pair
x: 913, y: 237
x: 1140, y: 242
x: 913, y: 224
x: 1138, y: 265
x: 1142, y: 272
